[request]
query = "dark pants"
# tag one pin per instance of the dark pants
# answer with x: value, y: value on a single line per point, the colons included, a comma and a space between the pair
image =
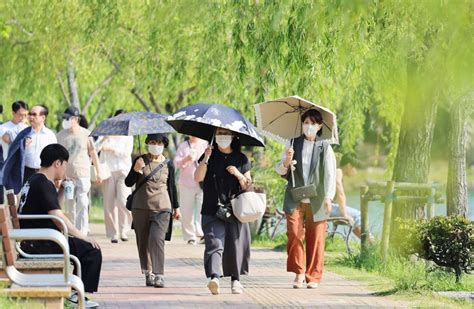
x: 150, y: 231
x: 90, y: 258
x: 227, y: 247
x: 28, y: 172
x: 2, y: 198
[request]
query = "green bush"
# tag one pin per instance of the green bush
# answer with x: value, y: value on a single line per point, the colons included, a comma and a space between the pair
x: 448, y: 242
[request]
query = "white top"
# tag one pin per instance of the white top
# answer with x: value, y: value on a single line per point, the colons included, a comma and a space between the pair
x: 12, y: 130
x: 119, y: 157
x: 329, y: 167
x: 37, y: 142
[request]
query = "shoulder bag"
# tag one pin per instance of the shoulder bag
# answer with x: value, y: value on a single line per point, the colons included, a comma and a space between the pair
x: 308, y: 191
x: 249, y: 205
x: 129, y: 203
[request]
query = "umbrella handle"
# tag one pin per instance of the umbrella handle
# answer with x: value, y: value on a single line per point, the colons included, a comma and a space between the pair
x: 212, y: 141
x: 291, y: 166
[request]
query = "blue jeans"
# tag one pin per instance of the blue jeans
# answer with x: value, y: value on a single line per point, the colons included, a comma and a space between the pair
x: 352, y: 212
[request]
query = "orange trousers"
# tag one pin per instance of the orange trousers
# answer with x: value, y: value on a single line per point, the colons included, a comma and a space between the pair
x: 300, y: 225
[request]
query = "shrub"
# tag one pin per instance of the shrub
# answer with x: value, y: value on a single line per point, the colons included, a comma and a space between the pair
x: 448, y: 242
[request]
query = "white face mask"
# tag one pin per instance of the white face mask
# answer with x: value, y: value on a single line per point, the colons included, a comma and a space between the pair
x: 223, y: 141
x: 66, y: 124
x: 310, y: 130
x: 155, y: 150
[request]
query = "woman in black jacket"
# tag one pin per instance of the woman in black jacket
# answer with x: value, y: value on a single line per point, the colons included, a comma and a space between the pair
x: 153, y: 204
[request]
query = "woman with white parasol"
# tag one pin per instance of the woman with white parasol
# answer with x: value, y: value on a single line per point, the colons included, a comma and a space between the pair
x: 309, y: 165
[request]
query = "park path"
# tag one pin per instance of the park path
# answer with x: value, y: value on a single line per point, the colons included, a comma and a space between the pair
x: 268, y: 285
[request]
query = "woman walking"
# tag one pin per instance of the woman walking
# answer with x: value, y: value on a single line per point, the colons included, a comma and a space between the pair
x: 225, y: 171
x: 116, y: 152
x: 153, y: 204
x: 306, y: 213
x: 190, y: 192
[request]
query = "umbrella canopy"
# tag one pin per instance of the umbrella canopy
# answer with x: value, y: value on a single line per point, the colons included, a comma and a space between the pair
x: 134, y: 123
x: 201, y: 120
x: 281, y: 119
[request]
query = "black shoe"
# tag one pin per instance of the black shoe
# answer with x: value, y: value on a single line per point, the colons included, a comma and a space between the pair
x: 150, y: 279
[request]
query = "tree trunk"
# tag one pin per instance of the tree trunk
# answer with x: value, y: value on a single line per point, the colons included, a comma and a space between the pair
x: 71, y: 80
x: 412, y: 163
x: 456, y: 189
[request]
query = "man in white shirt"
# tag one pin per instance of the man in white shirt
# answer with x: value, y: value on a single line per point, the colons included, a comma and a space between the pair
x: 9, y: 130
x: 39, y: 138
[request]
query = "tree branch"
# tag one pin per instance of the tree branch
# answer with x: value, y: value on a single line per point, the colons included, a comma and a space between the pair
x: 17, y: 23
x: 96, y: 91
x: 153, y: 101
x: 16, y: 43
x: 140, y: 99
x: 71, y: 80
x: 181, y: 95
x: 63, y: 88
x: 98, y: 111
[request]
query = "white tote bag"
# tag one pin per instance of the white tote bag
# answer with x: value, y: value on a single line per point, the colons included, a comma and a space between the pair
x: 249, y: 206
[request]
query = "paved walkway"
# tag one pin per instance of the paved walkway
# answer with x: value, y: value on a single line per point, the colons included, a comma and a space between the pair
x: 269, y: 285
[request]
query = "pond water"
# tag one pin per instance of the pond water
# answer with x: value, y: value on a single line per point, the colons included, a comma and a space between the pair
x: 376, y: 210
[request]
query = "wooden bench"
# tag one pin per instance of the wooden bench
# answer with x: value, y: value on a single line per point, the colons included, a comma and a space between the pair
x: 50, y: 289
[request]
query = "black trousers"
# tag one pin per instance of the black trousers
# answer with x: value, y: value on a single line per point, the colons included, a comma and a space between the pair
x: 28, y: 172
x: 90, y: 258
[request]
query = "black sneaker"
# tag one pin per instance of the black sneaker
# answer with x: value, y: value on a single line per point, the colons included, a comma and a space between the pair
x: 150, y: 279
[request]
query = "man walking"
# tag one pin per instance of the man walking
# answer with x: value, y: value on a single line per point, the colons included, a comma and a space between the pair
x: 24, y: 152
x: 10, y: 129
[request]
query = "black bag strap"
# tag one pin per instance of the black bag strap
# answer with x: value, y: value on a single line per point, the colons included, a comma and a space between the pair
x: 220, y: 203
x: 153, y: 172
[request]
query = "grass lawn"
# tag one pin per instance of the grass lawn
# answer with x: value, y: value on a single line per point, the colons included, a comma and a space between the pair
x: 398, y: 280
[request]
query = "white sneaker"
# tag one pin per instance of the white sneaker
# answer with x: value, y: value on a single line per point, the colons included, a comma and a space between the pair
x: 73, y: 301
x: 312, y: 285
x: 213, y: 286
x: 236, y: 287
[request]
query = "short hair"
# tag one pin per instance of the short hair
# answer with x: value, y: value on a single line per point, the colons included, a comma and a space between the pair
x: 44, y: 110
x: 17, y: 105
x: 159, y: 138
x: 349, y: 158
x: 315, y: 116
x: 53, y: 152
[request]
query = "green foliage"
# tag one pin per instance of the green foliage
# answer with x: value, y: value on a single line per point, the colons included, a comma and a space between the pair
x: 351, y: 56
x: 448, y: 242
x: 408, y: 274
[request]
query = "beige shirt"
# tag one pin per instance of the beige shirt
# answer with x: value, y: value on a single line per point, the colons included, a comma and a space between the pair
x: 80, y: 146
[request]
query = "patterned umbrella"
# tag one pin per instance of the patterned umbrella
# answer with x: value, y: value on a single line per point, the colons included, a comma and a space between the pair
x: 201, y: 120
x: 134, y: 123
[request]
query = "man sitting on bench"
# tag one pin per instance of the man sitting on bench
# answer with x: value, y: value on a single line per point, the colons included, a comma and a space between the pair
x: 40, y: 196
x: 347, y: 167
